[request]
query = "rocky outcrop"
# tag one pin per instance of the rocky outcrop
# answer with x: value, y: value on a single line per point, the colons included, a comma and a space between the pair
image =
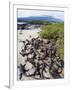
x: 40, y: 60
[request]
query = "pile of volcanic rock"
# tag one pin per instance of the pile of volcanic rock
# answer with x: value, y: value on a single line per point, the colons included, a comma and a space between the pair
x: 41, y: 60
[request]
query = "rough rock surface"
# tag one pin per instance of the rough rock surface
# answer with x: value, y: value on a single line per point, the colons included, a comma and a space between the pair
x: 39, y: 60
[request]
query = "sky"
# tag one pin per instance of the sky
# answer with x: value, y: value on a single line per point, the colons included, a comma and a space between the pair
x: 27, y: 13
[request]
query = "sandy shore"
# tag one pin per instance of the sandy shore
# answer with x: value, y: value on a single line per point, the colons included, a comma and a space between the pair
x: 25, y: 34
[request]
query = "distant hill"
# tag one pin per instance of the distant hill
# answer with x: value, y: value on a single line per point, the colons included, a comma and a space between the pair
x: 45, y: 17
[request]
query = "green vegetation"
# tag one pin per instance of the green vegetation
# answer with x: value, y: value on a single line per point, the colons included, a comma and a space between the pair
x: 60, y: 47
x: 55, y: 31
x: 39, y: 22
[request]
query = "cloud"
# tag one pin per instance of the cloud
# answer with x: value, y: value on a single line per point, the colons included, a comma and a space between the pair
x: 27, y: 13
